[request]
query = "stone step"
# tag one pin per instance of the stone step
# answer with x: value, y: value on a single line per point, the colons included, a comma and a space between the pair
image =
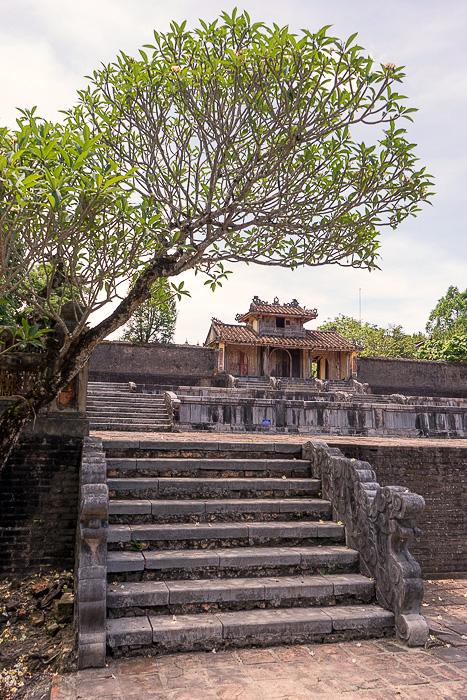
x: 230, y: 594
x: 208, y: 449
x: 244, y: 628
x: 97, y: 424
x: 236, y: 562
x: 136, y: 419
x: 234, y: 534
x: 204, y: 467
x: 231, y: 487
x: 255, y: 386
x: 116, y: 412
x: 126, y: 403
x: 118, y: 386
x: 122, y: 399
x: 168, y: 511
x: 125, y: 398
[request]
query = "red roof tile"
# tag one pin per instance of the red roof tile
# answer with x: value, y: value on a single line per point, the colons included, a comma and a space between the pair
x: 313, y: 340
x: 277, y: 309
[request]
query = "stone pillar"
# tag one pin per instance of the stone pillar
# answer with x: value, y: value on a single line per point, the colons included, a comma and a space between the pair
x: 266, y: 361
x: 221, y: 358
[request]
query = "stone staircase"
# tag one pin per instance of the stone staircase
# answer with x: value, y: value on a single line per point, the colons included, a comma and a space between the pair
x: 227, y: 544
x: 112, y: 406
x: 291, y: 384
x: 340, y: 384
x: 253, y: 383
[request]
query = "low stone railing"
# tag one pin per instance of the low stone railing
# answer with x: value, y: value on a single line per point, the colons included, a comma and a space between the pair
x: 172, y: 404
x: 91, y: 560
x: 379, y: 522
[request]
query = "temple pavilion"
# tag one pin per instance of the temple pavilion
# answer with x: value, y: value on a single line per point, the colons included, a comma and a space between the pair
x: 271, y: 340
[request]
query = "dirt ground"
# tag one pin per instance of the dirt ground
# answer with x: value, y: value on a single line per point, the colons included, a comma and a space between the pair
x: 36, y: 633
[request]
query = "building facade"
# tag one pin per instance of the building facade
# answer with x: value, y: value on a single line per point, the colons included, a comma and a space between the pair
x: 271, y: 340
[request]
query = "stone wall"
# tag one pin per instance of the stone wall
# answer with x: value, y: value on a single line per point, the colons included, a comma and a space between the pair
x: 439, y: 474
x: 150, y: 363
x: 389, y: 375
x: 39, y: 503
x: 218, y: 411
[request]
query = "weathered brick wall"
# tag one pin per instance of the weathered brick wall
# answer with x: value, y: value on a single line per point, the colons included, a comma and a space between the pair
x: 38, y: 504
x: 149, y: 363
x: 439, y: 474
x: 389, y: 375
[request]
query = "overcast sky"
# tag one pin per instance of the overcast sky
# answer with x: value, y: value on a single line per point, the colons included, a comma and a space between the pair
x: 48, y: 46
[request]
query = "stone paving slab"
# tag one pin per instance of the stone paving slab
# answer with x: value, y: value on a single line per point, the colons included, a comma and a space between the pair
x: 366, y: 670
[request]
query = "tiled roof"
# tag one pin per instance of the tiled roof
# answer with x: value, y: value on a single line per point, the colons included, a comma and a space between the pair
x: 231, y: 333
x: 313, y: 340
x: 276, y: 308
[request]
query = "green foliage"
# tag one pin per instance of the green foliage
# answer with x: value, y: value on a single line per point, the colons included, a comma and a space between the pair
x: 25, y: 336
x: 64, y: 218
x: 375, y: 341
x: 449, y: 317
x: 8, y: 310
x: 453, y: 349
x: 239, y: 139
x: 154, y: 321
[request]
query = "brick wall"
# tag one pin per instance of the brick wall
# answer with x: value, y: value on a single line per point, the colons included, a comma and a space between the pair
x: 149, y: 363
x: 39, y: 503
x: 389, y: 375
x: 439, y: 474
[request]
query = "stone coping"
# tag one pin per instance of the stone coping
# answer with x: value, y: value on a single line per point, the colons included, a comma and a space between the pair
x: 245, y: 437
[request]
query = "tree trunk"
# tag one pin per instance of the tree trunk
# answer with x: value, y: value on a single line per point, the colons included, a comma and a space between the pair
x: 48, y: 386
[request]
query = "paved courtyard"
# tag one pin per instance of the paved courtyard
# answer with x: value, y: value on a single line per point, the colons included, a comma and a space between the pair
x: 372, y: 670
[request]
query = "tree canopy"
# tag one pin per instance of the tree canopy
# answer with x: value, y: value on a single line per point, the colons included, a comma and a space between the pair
x: 449, y: 317
x: 152, y: 322
x: 452, y: 349
x: 373, y: 340
x: 230, y: 142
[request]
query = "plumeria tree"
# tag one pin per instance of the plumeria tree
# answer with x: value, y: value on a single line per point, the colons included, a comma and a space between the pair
x: 231, y: 142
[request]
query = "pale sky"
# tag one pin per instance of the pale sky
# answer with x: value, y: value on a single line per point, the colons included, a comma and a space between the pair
x: 48, y: 46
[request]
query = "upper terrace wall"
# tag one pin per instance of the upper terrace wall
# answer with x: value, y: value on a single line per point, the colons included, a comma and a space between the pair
x: 389, y: 375
x: 192, y: 365
x: 150, y: 363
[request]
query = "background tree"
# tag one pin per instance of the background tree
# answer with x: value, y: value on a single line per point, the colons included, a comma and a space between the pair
x: 449, y: 317
x: 453, y: 349
x: 152, y: 322
x: 373, y: 340
x: 227, y: 143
